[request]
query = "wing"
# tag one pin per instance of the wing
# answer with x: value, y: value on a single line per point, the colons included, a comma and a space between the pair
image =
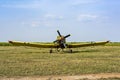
x: 87, y: 44
x: 17, y: 43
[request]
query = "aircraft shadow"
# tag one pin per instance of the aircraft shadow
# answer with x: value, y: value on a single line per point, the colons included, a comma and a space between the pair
x: 81, y: 51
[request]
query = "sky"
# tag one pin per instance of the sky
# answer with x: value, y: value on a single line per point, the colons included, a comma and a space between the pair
x: 39, y: 20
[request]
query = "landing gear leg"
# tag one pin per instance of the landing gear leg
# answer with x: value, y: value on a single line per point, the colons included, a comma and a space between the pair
x: 58, y: 49
x: 70, y: 50
x: 51, y: 51
x: 62, y: 50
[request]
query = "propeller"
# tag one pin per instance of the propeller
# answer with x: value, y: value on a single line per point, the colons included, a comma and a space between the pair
x: 61, y: 40
x: 62, y: 37
x: 67, y: 36
x: 59, y: 33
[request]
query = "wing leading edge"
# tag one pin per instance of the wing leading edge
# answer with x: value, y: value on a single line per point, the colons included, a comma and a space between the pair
x: 17, y: 43
x: 87, y: 44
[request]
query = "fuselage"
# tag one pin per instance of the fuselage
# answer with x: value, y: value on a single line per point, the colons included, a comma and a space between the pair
x: 61, y: 41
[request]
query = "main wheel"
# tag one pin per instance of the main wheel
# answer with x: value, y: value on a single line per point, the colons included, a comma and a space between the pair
x: 51, y: 51
x: 71, y: 51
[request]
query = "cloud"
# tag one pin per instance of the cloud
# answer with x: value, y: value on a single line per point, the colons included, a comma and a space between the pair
x: 78, y: 2
x: 30, y: 23
x: 55, y: 17
x: 35, y: 24
x: 19, y: 6
x: 24, y: 5
x: 29, y: 4
x: 87, y: 17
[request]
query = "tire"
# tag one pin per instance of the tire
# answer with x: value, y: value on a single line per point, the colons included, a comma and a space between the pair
x: 51, y: 51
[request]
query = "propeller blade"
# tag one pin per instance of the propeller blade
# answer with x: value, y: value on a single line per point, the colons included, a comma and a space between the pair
x: 59, y: 33
x: 67, y: 36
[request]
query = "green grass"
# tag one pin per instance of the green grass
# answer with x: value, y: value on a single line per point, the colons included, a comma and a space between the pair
x: 5, y: 44
x: 102, y: 79
x: 26, y: 61
x: 109, y: 79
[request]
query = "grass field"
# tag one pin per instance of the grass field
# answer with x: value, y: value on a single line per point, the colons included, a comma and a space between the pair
x: 28, y: 61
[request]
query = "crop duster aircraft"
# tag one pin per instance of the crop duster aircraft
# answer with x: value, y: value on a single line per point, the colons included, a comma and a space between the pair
x: 59, y: 44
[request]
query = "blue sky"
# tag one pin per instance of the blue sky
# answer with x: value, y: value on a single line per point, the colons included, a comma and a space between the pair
x: 38, y: 20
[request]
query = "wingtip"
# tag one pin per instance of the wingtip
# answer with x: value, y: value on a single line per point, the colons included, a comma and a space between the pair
x: 10, y: 41
x: 108, y: 41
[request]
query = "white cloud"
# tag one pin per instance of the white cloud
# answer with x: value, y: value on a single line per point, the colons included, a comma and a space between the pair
x: 31, y: 23
x: 77, y: 2
x: 51, y: 16
x: 24, y: 5
x: 87, y: 17
x: 34, y: 24
x: 21, y: 6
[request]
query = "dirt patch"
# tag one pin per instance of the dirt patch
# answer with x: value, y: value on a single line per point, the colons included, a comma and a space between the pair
x: 77, y: 77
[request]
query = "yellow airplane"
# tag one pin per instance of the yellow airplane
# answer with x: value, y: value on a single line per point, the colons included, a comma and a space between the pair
x: 59, y: 44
